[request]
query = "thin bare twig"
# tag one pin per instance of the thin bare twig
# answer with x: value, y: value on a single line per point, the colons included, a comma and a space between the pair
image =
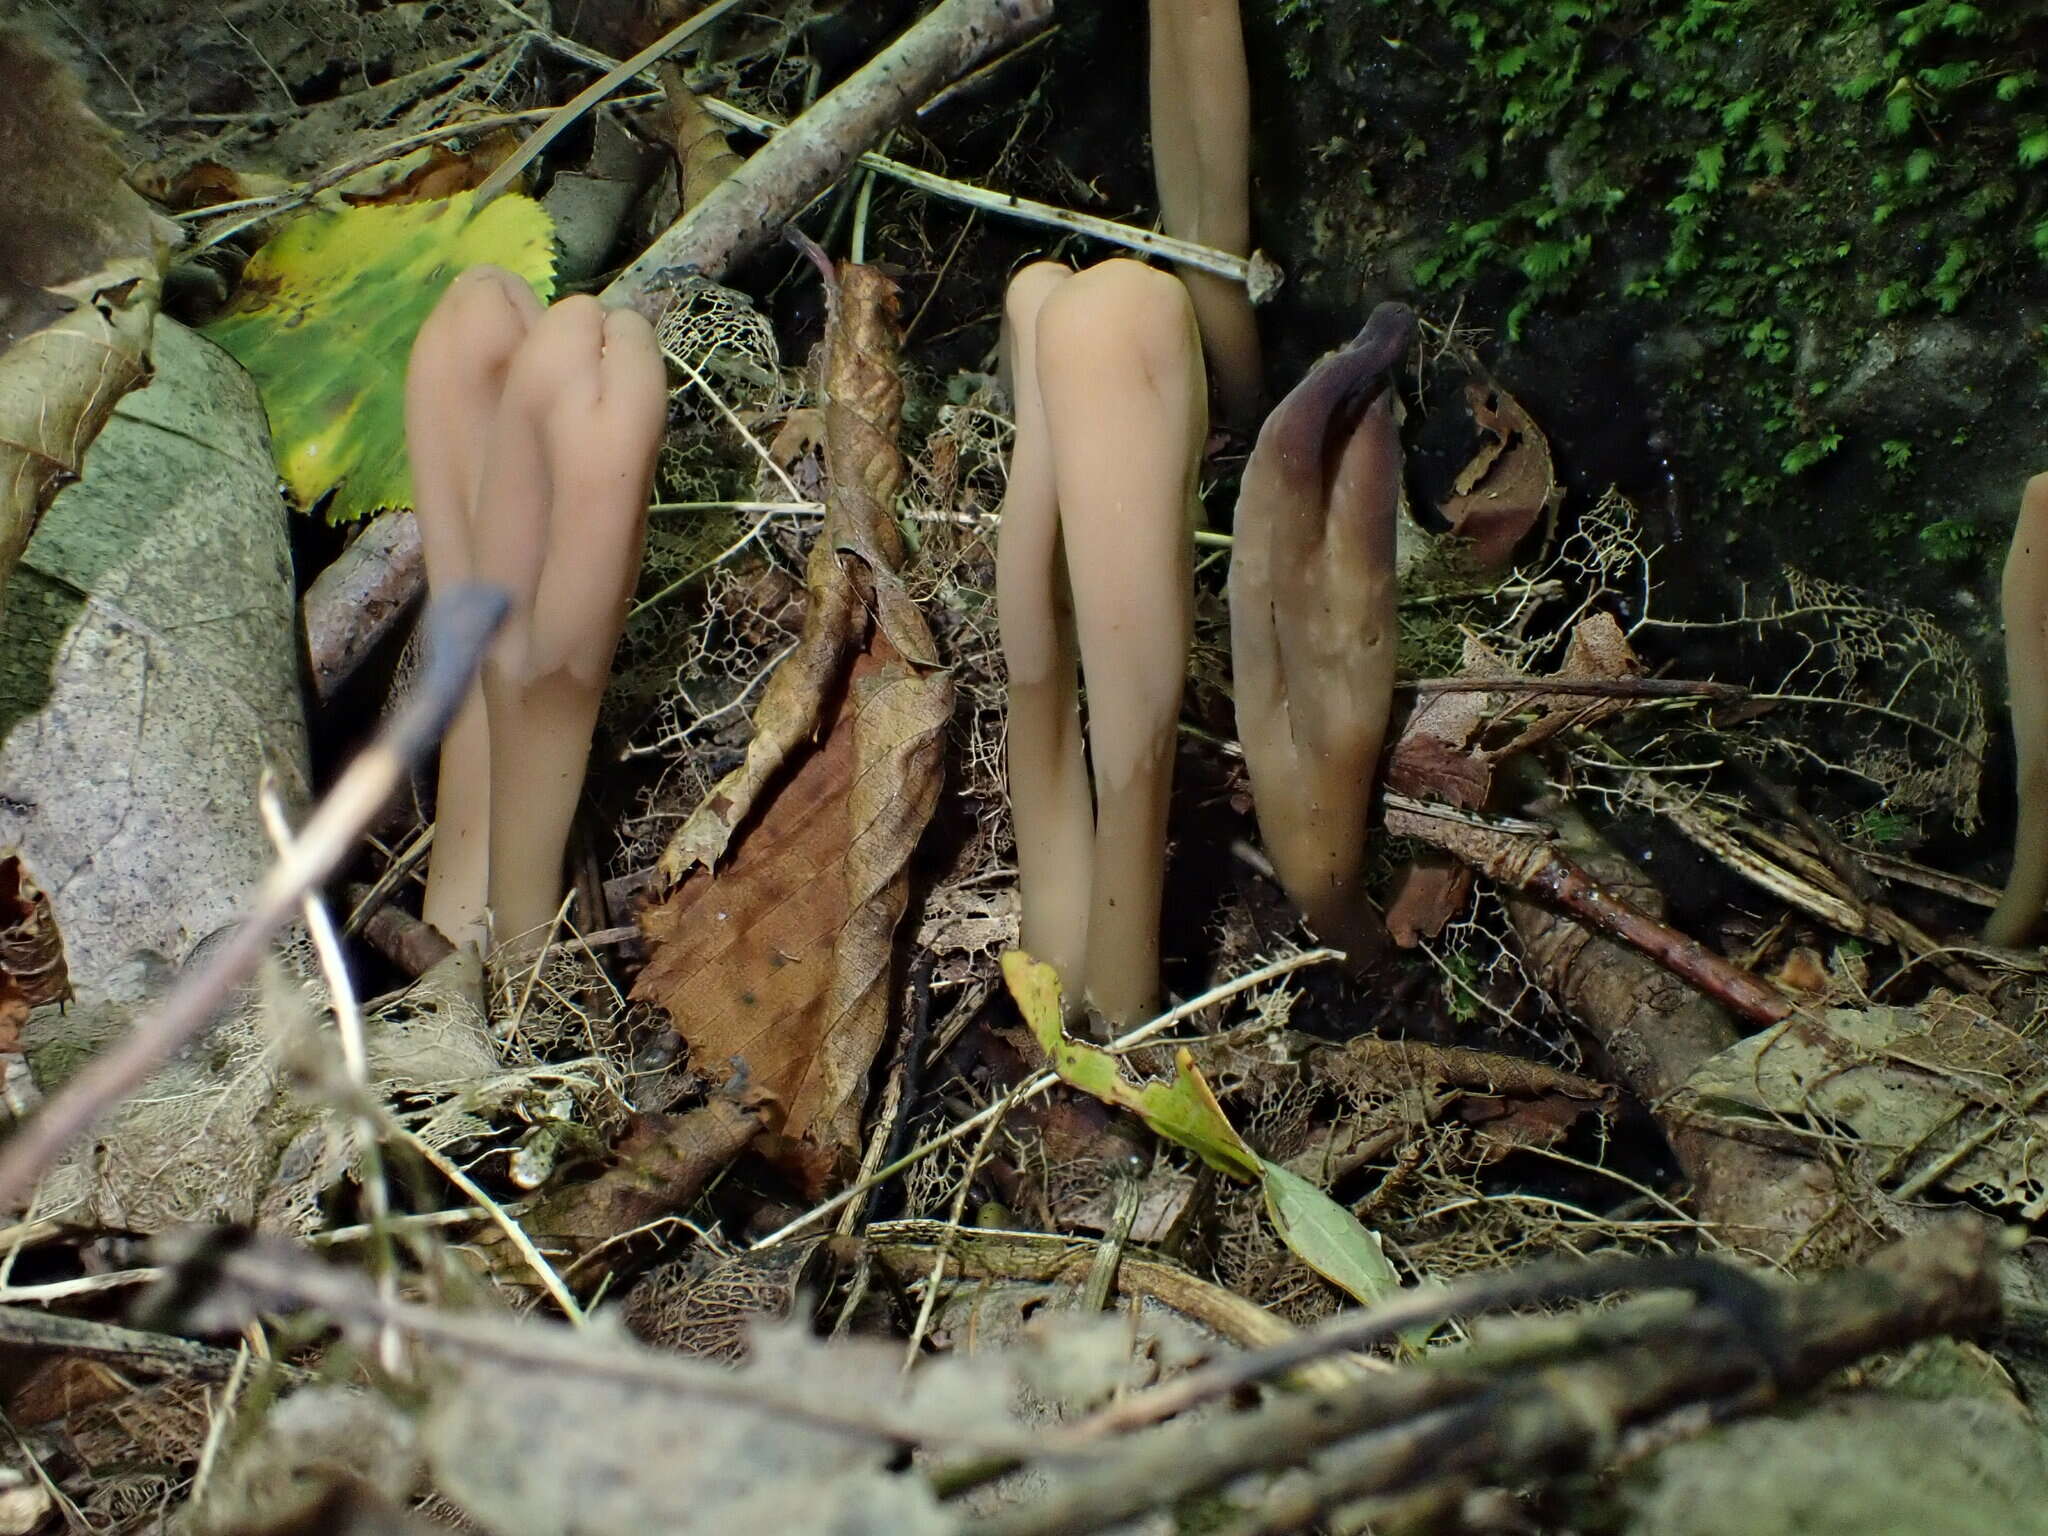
x: 748, y: 209
x: 592, y: 94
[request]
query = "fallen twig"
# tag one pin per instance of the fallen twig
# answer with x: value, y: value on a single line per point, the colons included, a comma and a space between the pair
x: 1589, y: 687
x: 749, y: 208
x: 220, y: 1280
x: 1538, y: 869
x: 162, y: 1352
x: 459, y: 627
x: 360, y: 598
x: 1152, y: 242
x: 1466, y: 1421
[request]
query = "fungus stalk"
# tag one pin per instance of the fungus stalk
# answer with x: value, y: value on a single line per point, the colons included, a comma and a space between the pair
x: 452, y: 388
x: 1095, y: 574
x: 1051, y: 809
x: 2024, y: 600
x: 1313, y: 622
x: 561, y: 456
x: 1201, y: 163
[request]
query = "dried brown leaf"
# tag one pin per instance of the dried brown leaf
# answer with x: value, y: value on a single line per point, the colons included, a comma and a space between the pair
x: 779, y: 957
x: 703, y: 158
x: 1508, y: 484
x: 80, y: 265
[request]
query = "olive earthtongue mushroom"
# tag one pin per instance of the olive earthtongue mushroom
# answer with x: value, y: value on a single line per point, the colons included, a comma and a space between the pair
x: 2024, y: 598
x: 1313, y: 621
x: 1099, y: 522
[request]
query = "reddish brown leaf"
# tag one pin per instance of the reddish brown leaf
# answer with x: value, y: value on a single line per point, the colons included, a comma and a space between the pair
x: 780, y: 959
x: 1509, y: 482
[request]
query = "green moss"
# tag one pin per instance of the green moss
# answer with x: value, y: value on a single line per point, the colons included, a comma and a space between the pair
x: 1783, y: 176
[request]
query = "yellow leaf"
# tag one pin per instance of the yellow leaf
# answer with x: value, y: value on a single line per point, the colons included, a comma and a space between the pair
x: 1183, y: 1110
x: 325, y: 321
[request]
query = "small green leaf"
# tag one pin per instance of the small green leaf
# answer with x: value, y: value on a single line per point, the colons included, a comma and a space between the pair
x: 2034, y: 148
x: 1328, y: 1238
x: 1898, y: 110
x: 1183, y: 1110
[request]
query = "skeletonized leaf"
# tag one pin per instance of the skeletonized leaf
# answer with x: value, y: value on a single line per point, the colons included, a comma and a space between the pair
x: 1937, y: 1094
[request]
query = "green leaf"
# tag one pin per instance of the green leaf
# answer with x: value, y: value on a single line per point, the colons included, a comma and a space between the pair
x: 1183, y: 1110
x: 1328, y: 1238
x: 2034, y: 148
x: 325, y: 320
x: 1548, y: 258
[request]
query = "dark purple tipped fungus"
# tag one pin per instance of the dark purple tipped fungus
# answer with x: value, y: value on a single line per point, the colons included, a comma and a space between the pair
x: 1313, y: 624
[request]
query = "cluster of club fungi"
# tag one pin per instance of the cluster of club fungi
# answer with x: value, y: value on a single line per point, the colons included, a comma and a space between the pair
x: 548, y: 420
x: 533, y: 433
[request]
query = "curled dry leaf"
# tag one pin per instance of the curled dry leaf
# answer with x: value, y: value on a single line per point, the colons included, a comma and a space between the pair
x: 775, y: 947
x: 80, y: 269
x: 1508, y: 484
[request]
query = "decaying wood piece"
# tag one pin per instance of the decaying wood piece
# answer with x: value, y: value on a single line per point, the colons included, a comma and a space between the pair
x: 1654, y: 1030
x: 363, y: 595
x: 661, y: 1165
x: 749, y: 208
x: 1487, y: 1420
